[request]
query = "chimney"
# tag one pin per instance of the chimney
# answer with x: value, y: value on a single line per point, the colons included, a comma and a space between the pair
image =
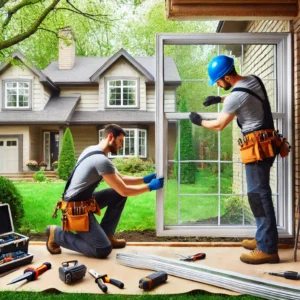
x: 66, y: 51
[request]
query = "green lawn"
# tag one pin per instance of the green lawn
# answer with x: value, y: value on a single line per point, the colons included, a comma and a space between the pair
x: 139, y: 213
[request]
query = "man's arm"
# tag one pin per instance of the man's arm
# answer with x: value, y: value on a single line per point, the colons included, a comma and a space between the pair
x: 220, y: 123
x: 116, y: 183
x: 130, y: 180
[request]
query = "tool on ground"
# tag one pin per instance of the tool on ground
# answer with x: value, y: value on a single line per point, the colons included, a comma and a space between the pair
x: 151, y: 281
x: 194, y: 257
x: 297, y: 230
x: 69, y: 274
x: 32, y: 274
x: 235, y: 281
x: 287, y: 275
x: 99, y: 279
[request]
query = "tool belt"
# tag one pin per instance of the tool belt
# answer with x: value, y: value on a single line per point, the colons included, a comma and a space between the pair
x: 262, y: 144
x: 75, y: 214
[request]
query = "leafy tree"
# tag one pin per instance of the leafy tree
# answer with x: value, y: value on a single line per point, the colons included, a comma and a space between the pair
x: 10, y: 194
x: 187, y: 152
x: 67, y: 158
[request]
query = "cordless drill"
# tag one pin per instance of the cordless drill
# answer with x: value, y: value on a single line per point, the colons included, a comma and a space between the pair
x: 151, y: 281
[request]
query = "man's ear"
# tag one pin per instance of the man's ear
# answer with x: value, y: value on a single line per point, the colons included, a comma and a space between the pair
x: 110, y: 137
x: 227, y: 78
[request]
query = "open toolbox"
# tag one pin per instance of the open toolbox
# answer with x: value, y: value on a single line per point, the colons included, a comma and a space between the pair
x: 13, y: 246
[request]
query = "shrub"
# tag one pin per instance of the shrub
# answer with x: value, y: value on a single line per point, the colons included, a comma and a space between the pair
x: 10, y: 194
x: 67, y: 158
x: 32, y: 163
x: 40, y: 176
x: 187, y: 151
x: 55, y: 164
x: 134, y: 166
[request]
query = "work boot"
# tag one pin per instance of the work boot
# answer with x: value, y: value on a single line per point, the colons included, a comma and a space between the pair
x: 52, y: 247
x: 257, y: 257
x: 117, y: 243
x: 249, y: 244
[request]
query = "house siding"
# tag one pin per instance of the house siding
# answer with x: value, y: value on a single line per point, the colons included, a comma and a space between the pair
x: 169, y: 97
x: 39, y: 99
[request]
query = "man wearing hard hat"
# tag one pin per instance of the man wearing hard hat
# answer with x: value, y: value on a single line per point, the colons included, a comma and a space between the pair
x: 249, y: 102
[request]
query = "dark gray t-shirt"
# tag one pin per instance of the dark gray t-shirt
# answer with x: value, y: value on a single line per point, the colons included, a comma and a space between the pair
x: 248, y: 109
x: 89, y: 171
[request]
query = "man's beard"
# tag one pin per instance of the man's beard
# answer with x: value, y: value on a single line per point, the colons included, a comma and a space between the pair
x: 113, y: 148
x: 227, y: 86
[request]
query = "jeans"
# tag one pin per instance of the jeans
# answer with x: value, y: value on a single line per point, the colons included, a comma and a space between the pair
x: 260, y: 200
x: 94, y: 243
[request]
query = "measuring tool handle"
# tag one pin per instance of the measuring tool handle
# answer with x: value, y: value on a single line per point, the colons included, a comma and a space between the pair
x: 115, y: 282
x: 101, y: 285
x: 291, y: 275
x: 199, y: 256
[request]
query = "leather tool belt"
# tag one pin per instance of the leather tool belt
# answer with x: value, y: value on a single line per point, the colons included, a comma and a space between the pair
x: 262, y: 144
x: 75, y: 214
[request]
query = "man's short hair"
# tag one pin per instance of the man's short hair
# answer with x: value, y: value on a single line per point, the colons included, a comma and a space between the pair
x: 115, y: 129
x: 231, y: 72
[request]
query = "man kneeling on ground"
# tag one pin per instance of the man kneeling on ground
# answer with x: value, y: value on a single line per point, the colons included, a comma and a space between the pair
x: 99, y: 240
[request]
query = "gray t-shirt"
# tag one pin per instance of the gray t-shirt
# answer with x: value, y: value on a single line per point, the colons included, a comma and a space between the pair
x: 89, y: 171
x: 248, y: 109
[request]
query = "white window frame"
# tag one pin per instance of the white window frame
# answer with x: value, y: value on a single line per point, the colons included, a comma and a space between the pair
x: 122, y: 87
x: 136, y: 143
x: 282, y: 41
x: 17, y: 81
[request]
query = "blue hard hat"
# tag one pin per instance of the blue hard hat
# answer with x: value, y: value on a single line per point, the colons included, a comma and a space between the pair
x: 218, y: 67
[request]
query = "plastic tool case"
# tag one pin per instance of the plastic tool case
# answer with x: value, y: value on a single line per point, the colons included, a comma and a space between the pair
x: 13, y: 246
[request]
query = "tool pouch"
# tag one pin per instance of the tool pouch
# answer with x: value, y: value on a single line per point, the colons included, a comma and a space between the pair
x: 250, y: 153
x: 69, y: 274
x: 75, y: 215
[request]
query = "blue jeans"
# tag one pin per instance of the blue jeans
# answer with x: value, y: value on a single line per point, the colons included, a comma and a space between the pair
x: 260, y: 200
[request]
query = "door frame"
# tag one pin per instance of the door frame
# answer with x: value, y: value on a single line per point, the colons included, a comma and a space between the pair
x: 283, y: 42
x: 19, y: 137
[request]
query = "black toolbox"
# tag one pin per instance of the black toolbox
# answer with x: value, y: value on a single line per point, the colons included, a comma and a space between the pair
x: 13, y: 246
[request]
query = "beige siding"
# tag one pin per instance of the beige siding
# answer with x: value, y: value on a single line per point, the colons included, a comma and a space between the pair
x: 89, y: 97
x: 122, y: 69
x: 16, y: 72
x: 170, y: 99
x: 84, y: 136
x: 23, y: 130
x: 36, y: 143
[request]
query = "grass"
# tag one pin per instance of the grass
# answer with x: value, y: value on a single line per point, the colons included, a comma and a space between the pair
x: 139, y: 213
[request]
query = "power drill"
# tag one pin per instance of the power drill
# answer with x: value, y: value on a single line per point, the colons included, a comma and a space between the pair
x: 287, y: 275
x: 151, y: 281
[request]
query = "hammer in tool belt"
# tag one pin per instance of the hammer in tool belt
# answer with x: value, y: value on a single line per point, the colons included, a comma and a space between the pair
x: 297, y: 230
x: 100, y: 279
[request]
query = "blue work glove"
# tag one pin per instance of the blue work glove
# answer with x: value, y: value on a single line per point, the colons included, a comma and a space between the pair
x: 148, y: 178
x: 212, y: 100
x: 156, y: 184
x: 195, y: 118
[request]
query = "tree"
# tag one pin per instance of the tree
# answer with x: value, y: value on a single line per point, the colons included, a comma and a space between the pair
x: 187, y: 152
x: 67, y: 158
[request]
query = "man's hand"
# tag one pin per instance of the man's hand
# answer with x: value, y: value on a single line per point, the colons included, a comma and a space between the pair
x: 156, y: 184
x: 148, y: 178
x: 212, y: 100
x: 195, y: 118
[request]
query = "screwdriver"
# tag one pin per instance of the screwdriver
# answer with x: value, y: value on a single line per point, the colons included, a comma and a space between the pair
x: 287, y: 275
x: 194, y: 257
x: 32, y: 274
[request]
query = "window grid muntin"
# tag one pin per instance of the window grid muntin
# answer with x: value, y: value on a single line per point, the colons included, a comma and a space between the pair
x: 19, y: 91
x: 122, y: 93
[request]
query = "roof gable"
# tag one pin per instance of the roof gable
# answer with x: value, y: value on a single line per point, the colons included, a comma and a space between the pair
x: 41, y: 76
x: 124, y: 54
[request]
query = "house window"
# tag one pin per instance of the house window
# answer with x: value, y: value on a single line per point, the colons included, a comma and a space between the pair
x: 122, y: 93
x: 17, y: 94
x: 135, y: 143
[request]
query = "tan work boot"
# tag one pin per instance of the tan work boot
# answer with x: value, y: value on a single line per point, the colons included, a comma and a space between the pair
x: 52, y: 247
x: 249, y: 244
x: 117, y: 243
x: 257, y: 257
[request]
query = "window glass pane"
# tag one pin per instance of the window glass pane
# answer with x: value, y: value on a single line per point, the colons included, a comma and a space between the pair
x: 142, y: 143
x: 129, y: 83
x: 1, y: 143
x: 11, y: 143
x: 100, y: 135
x: 12, y: 100
x: 123, y: 95
x: 114, y: 82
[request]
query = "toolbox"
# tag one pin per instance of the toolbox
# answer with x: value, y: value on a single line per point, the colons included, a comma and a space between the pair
x: 13, y: 246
